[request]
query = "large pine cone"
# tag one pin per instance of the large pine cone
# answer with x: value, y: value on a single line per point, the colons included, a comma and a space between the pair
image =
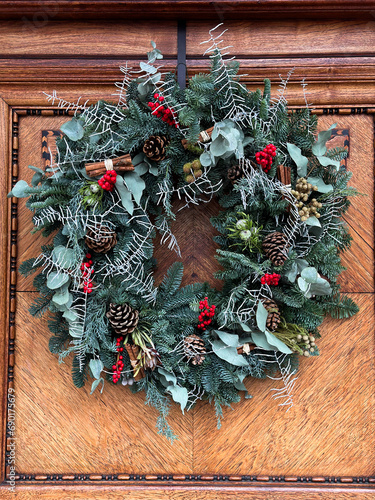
x: 194, y: 349
x: 101, y: 240
x: 273, y: 318
x: 123, y: 318
x: 275, y: 247
x: 154, y: 147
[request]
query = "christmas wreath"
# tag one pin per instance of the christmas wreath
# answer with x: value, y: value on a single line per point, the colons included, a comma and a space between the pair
x: 109, y: 191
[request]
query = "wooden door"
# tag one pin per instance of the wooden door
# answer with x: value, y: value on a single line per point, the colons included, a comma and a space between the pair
x: 70, y: 445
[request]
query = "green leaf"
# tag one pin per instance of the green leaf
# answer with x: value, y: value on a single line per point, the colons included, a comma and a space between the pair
x: 148, y: 68
x: 206, y: 159
x: 63, y: 256
x: 19, y: 190
x: 228, y: 353
x: 73, y: 129
x: 167, y: 377
x: 70, y: 315
x: 313, y: 221
x: 310, y: 274
x: 260, y: 340
x: 298, y: 158
x: 56, y: 280
x: 63, y: 296
x: 179, y: 394
x: 125, y: 195
x: 135, y: 184
x: 319, y: 147
x: 275, y: 342
x: 297, y: 267
x: 325, y: 161
x: 321, y: 287
x: 37, y: 177
x: 96, y: 367
x: 261, y: 316
x: 320, y: 184
x: 244, y: 327
x: 228, y: 338
x: 95, y: 384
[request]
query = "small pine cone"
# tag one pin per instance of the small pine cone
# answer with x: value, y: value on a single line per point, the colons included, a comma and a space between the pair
x: 275, y: 247
x: 154, y: 147
x: 194, y: 349
x: 273, y: 318
x: 152, y: 359
x: 123, y: 318
x: 235, y: 172
x: 101, y: 240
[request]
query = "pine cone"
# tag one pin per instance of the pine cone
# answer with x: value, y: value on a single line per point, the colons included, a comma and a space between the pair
x: 123, y: 318
x: 154, y: 147
x: 273, y: 318
x: 275, y: 247
x: 101, y: 240
x: 235, y: 172
x: 194, y: 349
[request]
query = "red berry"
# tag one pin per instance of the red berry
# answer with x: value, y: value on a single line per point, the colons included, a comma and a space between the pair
x: 156, y: 96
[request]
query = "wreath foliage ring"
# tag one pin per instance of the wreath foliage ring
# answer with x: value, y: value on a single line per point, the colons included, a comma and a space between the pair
x: 109, y: 193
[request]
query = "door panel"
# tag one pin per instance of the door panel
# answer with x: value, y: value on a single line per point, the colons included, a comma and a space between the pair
x: 322, y: 448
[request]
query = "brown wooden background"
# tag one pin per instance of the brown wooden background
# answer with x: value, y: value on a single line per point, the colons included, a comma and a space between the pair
x: 72, y: 445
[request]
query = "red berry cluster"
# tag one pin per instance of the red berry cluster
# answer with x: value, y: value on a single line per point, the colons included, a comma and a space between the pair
x: 161, y: 111
x: 265, y: 157
x: 108, y: 181
x: 118, y: 367
x: 87, y: 272
x: 206, y: 314
x: 270, y: 279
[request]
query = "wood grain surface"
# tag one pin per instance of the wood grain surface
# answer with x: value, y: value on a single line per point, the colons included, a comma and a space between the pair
x: 334, y: 394
x: 70, y: 443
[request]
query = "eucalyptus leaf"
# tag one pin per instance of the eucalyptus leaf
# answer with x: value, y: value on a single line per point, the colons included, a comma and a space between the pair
x: 298, y: 158
x: 303, y: 285
x: 244, y: 327
x: 228, y: 338
x: 135, y: 185
x: 56, y: 280
x: 125, y: 195
x: 319, y: 147
x: 19, y: 190
x: 73, y: 129
x: 228, y: 353
x: 276, y: 343
x: 320, y: 184
x: 96, y: 367
x: 325, y: 162
x: 310, y: 274
x: 70, y: 315
x: 261, y: 316
x: 206, y: 159
x: 321, y: 287
x: 297, y: 266
x: 179, y: 394
x: 260, y: 340
x: 169, y: 378
x: 148, y: 68
x: 313, y: 221
x: 38, y: 176
x: 63, y: 256
x: 62, y: 296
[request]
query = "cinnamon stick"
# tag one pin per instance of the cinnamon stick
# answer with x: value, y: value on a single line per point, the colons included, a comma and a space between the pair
x: 284, y: 175
x: 120, y: 164
x: 133, y: 351
x: 204, y: 136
